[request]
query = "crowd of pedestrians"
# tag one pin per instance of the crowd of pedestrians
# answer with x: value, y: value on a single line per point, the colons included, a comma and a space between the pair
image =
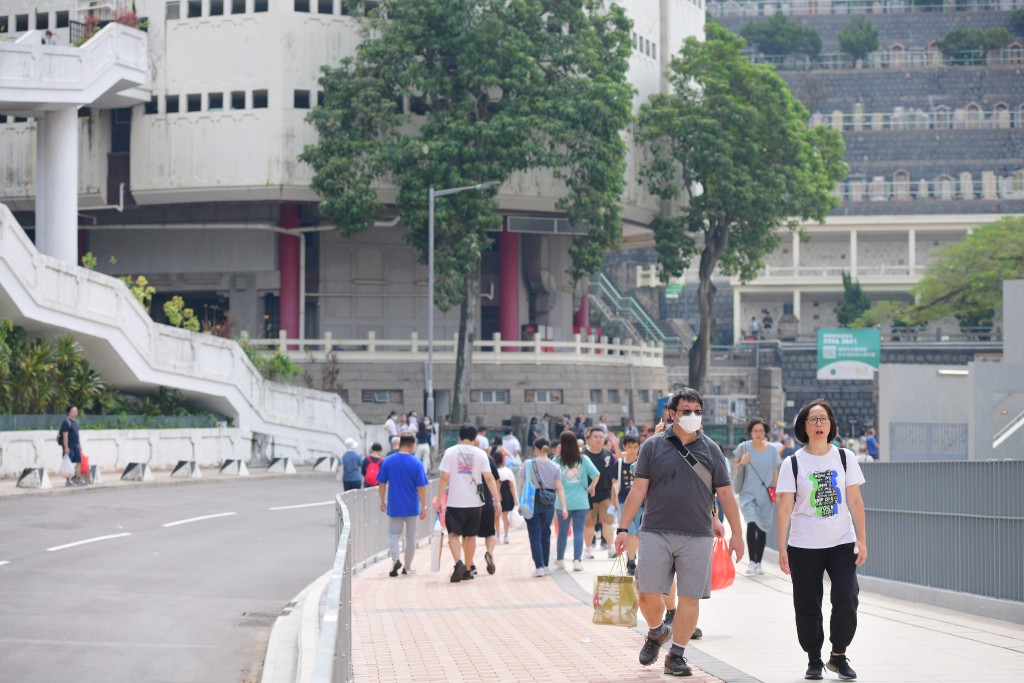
x: 656, y: 493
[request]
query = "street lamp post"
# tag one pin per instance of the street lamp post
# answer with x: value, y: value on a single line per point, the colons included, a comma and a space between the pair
x: 430, y: 286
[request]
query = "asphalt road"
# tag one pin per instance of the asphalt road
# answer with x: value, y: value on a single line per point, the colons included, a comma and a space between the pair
x: 173, y: 583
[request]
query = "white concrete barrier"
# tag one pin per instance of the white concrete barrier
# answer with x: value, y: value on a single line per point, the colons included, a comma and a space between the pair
x: 34, y: 478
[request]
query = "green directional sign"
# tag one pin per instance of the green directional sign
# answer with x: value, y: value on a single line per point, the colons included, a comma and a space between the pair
x: 848, y: 354
x: 674, y: 290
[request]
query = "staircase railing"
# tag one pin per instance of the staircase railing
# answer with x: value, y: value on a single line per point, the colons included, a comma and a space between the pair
x: 628, y: 308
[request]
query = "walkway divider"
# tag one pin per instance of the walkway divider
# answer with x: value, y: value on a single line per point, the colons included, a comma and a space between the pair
x: 137, y: 471
x: 235, y: 467
x: 188, y: 468
x: 326, y: 464
x: 95, y: 476
x: 282, y: 465
x: 34, y: 478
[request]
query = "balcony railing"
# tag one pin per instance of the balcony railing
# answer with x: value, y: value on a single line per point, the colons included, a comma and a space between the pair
x: 579, y: 350
x: 889, y: 59
x: 765, y: 8
x: 873, y: 270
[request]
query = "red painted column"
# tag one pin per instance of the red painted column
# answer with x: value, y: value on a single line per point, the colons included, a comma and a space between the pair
x: 508, y: 285
x: 288, y: 264
x: 581, y: 318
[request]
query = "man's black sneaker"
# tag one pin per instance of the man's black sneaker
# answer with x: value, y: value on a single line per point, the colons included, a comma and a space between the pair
x: 631, y: 567
x: 649, y: 652
x: 459, y: 573
x: 395, y: 567
x: 815, y: 670
x: 468, y: 575
x: 489, y: 559
x: 675, y: 665
x: 670, y: 614
x: 472, y: 570
x: 841, y: 665
x: 697, y: 634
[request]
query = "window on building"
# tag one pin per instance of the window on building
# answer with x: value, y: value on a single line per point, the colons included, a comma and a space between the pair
x: 216, y: 8
x: 22, y: 119
x: 194, y: 102
x: 654, y: 50
x: 63, y: 19
x: 392, y: 396
x: 595, y: 395
x: 153, y: 106
x: 319, y: 98
x: 259, y: 99
x: 301, y: 5
x: 613, y: 395
x: 301, y: 99
x: 238, y: 6
x: 489, y: 396
x: 42, y: 21
x: 418, y: 106
x: 173, y: 10
x: 3, y: 118
x: 259, y: 6
x: 216, y: 101
x: 195, y: 8
x: 21, y: 22
x: 543, y: 396
x: 643, y: 396
x: 238, y: 99
x: 3, y: 24
x: 325, y: 6
x: 172, y: 104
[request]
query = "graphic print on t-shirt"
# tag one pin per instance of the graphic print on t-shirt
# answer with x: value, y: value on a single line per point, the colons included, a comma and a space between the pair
x: 825, y: 494
x: 464, y: 464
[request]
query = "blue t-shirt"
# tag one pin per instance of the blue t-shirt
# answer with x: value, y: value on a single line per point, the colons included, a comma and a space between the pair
x: 71, y: 427
x: 350, y: 464
x: 872, y: 444
x: 403, y: 473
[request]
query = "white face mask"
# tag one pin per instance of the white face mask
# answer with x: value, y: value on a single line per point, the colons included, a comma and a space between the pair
x: 690, y: 423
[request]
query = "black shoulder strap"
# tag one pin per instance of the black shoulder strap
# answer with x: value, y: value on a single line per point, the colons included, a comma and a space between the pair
x: 842, y: 457
x: 699, y: 468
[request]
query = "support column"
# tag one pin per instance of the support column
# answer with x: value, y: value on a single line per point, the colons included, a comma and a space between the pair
x: 737, y: 320
x: 60, y: 176
x: 581, y: 318
x: 853, y: 254
x: 42, y: 181
x: 797, y: 302
x: 508, y: 286
x: 288, y: 264
x: 796, y: 254
x: 912, y: 256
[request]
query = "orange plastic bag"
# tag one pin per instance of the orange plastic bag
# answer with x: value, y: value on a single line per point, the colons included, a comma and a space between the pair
x: 723, y: 571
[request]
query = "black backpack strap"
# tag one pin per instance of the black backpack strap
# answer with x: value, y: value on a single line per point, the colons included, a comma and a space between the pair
x: 796, y: 476
x: 842, y: 456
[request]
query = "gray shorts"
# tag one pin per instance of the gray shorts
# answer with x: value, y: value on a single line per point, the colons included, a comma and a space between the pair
x: 687, y: 557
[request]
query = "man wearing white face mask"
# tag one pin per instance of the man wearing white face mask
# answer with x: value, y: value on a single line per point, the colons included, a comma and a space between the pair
x: 678, y: 473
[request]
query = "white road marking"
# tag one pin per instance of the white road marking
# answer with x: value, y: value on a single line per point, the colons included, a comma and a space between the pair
x: 88, y: 540
x: 3, y: 562
x: 199, y: 519
x: 306, y: 505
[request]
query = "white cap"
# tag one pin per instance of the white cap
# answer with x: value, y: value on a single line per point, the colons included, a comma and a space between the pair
x: 351, y: 443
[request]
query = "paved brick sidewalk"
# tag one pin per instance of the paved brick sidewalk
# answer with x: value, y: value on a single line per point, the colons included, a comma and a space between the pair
x: 506, y: 627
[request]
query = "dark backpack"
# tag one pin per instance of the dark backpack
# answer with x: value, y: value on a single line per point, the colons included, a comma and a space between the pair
x: 796, y: 475
x: 372, y: 470
x: 60, y: 437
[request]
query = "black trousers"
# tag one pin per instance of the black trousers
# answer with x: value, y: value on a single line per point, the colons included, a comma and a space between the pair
x: 756, y: 540
x: 808, y: 566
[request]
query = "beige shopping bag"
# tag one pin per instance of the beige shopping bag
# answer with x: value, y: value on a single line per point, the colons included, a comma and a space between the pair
x: 615, y: 601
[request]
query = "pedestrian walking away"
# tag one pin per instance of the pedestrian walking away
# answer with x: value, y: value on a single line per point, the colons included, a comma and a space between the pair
x: 403, y: 497
x: 349, y: 469
x: 678, y: 472
x: 755, y: 478
x: 507, y: 488
x: 465, y: 470
x: 579, y: 479
x: 370, y: 468
x: 425, y: 442
x: 72, y: 446
x: 819, y: 495
x: 546, y: 478
x: 490, y: 514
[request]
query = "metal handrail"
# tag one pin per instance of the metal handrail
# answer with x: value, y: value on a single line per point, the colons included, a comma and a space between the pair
x: 629, y: 304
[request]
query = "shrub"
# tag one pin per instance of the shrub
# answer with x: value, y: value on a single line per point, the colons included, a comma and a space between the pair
x: 779, y: 36
x: 859, y: 38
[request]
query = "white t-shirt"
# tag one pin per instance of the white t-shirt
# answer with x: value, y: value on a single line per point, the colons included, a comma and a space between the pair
x: 821, y: 517
x: 505, y: 474
x: 483, y: 443
x: 465, y: 466
x: 389, y: 424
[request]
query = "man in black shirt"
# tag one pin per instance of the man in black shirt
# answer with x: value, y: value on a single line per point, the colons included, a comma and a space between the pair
x: 604, y: 495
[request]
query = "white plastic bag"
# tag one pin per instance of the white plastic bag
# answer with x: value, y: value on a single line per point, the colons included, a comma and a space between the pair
x: 515, y: 520
x: 436, y: 545
x: 67, y: 468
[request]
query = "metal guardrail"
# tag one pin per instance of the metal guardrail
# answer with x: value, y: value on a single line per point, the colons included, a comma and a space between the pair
x: 956, y: 526
x: 361, y: 539
x: 629, y: 306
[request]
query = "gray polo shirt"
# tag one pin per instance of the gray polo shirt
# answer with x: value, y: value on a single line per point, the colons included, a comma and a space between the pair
x: 677, y: 500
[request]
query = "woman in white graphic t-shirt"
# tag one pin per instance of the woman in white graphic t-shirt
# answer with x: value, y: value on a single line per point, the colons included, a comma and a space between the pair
x: 824, y: 504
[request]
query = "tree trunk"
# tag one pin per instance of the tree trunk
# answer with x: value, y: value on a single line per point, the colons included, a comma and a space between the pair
x: 464, y: 352
x: 700, y: 352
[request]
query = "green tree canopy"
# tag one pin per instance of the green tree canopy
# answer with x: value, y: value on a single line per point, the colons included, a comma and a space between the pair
x: 855, y: 301
x: 496, y: 87
x: 780, y: 36
x: 734, y: 140
x: 970, y: 45
x: 859, y: 38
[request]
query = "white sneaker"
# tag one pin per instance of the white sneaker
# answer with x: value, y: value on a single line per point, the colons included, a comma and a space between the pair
x: 751, y: 568
x: 560, y: 564
x: 539, y: 572
x: 588, y: 552
x: 612, y: 554
x: 577, y: 566
x: 760, y: 569
x: 547, y: 571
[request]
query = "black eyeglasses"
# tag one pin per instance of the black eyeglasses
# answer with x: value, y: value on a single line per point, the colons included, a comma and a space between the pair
x: 685, y: 412
x: 818, y: 420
